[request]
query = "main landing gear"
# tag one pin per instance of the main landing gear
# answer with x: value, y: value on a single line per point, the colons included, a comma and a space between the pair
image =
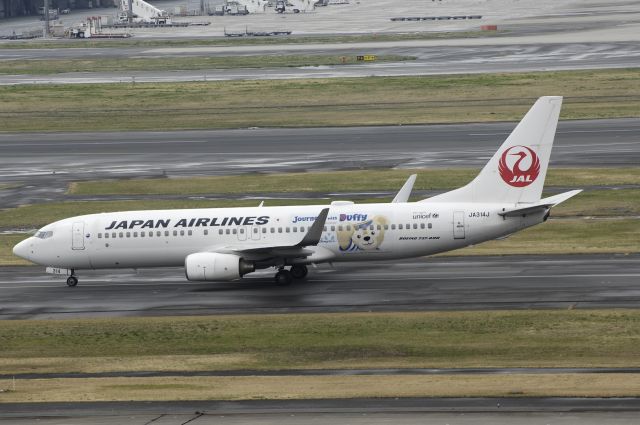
x: 285, y: 277
x: 72, y: 280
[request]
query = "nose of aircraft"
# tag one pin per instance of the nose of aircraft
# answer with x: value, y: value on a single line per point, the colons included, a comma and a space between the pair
x: 22, y: 249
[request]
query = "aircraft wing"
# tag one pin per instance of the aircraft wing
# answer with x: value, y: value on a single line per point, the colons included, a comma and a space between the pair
x: 541, y: 205
x: 307, y: 247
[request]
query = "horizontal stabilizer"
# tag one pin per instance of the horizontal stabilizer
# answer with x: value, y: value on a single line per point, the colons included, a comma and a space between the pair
x: 405, y: 192
x: 544, y: 204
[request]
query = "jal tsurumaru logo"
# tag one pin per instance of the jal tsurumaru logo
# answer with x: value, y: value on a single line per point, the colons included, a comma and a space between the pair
x: 519, y: 166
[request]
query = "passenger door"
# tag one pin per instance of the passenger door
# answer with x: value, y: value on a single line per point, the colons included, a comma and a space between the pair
x: 77, y: 236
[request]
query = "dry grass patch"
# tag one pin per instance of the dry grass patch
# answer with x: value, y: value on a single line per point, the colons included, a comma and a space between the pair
x: 316, y: 387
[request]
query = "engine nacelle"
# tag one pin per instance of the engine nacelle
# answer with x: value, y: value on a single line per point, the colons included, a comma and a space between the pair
x: 204, y: 266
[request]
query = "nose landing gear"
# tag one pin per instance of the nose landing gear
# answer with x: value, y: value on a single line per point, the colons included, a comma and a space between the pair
x: 72, y: 280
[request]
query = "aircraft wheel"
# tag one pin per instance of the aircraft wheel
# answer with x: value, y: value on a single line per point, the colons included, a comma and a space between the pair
x: 299, y: 271
x: 283, y: 278
x: 72, y: 281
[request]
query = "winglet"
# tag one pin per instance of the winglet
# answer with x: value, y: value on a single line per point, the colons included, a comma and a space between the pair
x: 405, y: 192
x: 315, y: 232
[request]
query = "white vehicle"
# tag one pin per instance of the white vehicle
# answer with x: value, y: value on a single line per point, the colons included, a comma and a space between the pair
x: 143, y: 12
x: 227, y: 243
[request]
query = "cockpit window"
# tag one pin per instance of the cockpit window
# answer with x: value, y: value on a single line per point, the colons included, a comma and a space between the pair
x: 44, y: 235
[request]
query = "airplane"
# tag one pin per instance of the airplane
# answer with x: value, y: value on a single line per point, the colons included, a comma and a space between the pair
x: 223, y: 244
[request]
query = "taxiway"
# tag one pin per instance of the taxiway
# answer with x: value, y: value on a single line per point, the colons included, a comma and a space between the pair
x: 39, y: 166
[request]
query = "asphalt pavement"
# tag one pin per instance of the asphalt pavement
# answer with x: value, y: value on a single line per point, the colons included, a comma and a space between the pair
x: 400, y: 411
x: 41, y: 165
x: 426, y: 284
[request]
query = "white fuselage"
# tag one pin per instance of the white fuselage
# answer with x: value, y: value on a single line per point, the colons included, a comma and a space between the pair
x: 164, y: 238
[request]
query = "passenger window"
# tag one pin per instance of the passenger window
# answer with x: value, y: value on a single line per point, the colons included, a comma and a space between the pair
x: 422, y: 225
x: 150, y: 234
x: 264, y: 230
x: 228, y: 231
x: 399, y: 226
x: 128, y: 234
x: 393, y: 227
x: 106, y: 236
x: 295, y: 229
x: 415, y: 225
x: 175, y: 233
x: 348, y: 227
x: 189, y: 232
x: 408, y: 227
x: 386, y: 227
x: 302, y: 228
x: 339, y: 228
x: 121, y: 235
x: 429, y: 225
x: 135, y: 234
x: 288, y: 230
x: 113, y: 235
x: 166, y: 233
x: 99, y: 235
x: 325, y: 228
x: 255, y: 230
x: 235, y: 231
x: 242, y: 231
x: 333, y: 228
x: 220, y: 231
x: 206, y: 232
x: 143, y: 234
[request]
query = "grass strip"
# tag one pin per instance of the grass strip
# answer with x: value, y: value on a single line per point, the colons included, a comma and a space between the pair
x: 610, y: 93
x: 248, y: 41
x: 7, y: 242
x: 55, y: 66
x: 339, y: 181
x: 533, y: 338
x: 320, y: 387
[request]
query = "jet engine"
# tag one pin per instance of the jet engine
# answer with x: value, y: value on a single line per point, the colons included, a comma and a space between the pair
x: 204, y: 266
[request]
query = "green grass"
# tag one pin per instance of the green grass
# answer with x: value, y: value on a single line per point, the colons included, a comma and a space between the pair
x: 444, y: 339
x: 220, y: 41
x: 316, y: 102
x: 339, y: 181
x: 566, y: 236
x: 54, y: 66
x: 7, y: 243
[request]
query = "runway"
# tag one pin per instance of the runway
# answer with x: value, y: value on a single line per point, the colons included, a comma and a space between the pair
x: 481, y: 56
x: 403, y: 411
x: 440, y: 283
x: 41, y: 165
